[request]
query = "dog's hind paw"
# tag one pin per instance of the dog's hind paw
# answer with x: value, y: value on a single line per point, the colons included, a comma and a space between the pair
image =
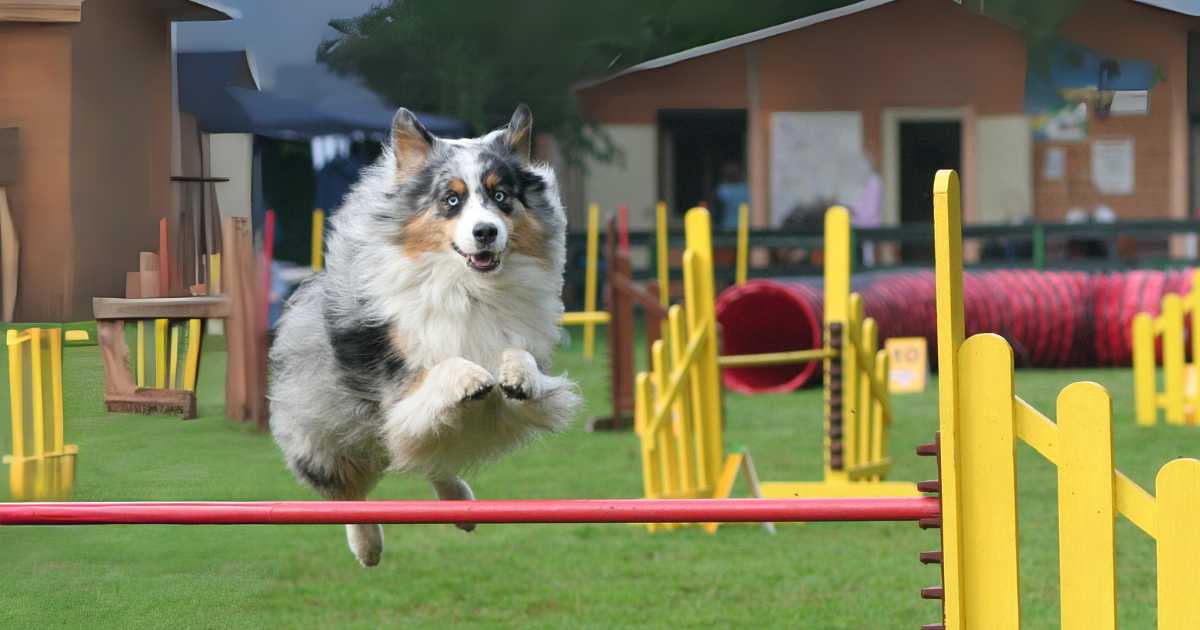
x: 366, y: 541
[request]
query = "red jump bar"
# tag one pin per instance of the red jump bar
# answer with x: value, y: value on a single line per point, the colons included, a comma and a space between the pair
x: 426, y: 512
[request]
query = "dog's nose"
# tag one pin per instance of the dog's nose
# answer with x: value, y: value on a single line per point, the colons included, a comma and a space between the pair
x: 485, y: 233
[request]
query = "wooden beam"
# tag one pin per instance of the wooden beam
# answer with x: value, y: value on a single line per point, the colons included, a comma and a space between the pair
x: 40, y: 10
x: 203, y: 307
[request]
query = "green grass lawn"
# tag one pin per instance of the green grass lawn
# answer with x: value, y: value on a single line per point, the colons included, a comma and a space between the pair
x: 540, y: 576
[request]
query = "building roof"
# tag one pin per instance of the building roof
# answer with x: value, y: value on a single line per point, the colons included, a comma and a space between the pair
x: 221, y: 91
x: 1185, y: 7
x: 198, y: 11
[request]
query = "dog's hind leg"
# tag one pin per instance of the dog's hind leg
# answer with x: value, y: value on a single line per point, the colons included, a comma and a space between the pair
x: 548, y: 402
x: 341, y: 480
x: 454, y: 489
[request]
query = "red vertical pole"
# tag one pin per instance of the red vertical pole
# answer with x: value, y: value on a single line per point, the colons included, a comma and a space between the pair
x: 164, y: 263
x: 268, y: 256
x: 623, y: 227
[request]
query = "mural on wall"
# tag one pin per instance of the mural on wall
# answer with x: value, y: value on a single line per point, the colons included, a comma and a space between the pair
x: 1069, y: 80
x: 816, y: 160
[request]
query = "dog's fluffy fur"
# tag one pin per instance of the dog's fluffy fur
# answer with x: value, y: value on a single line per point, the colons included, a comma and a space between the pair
x: 443, y: 280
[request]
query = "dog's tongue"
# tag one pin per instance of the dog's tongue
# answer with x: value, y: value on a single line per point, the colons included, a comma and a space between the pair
x: 482, y: 259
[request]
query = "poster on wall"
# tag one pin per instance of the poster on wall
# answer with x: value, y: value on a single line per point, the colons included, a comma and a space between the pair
x: 1112, y: 166
x: 1054, y: 166
x: 816, y: 159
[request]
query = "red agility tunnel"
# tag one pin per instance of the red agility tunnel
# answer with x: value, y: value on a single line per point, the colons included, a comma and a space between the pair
x: 1051, y: 318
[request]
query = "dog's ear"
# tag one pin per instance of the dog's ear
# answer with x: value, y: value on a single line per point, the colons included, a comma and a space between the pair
x: 411, y: 142
x: 519, y: 134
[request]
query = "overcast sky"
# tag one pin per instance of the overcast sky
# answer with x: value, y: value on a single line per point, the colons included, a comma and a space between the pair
x: 277, y: 33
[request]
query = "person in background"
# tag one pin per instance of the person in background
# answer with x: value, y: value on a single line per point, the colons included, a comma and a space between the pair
x: 732, y: 192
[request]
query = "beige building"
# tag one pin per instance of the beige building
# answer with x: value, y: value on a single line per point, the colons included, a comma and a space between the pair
x: 811, y: 108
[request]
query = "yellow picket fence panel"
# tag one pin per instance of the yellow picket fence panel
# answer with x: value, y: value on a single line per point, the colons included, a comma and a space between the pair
x: 171, y: 369
x: 677, y: 408
x: 42, y: 464
x: 981, y: 421
x: 1179, y: 398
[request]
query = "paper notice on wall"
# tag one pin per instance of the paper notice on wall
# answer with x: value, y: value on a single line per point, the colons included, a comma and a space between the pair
x: 1054, y: 164
x: 1112, y: 166
x: 1130, y: 103
x: 816, y: 160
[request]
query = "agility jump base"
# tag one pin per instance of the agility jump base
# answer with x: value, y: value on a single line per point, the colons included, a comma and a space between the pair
x: 975, y: 507
x: 1180, y: 394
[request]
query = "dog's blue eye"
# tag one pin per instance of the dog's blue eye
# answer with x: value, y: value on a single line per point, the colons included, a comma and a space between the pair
x: 499, y: 196
x: 452, y: 200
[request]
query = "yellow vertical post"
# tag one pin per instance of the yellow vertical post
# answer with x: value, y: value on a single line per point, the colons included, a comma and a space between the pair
x: 58, y: 444
x: 141, y: 353
x: 172, y: 369
x: 37, y: 393
x: 698, y: 234
x: 879, y: 428
x: 1173, y: 357
x: 160, y: 353
x: 988, y: 558
x: 1177, y: 490
x: 851, y: 341
x: 837, y: 305
x: 16, y: 393
x: 743, y: 243
x: 662, y: 254
x: 947, y: 227
x: 318, y: 240
x: 664, y: 439
x: 699, y: 400
x: 590, y: 280
x: 862, y: 432
x: 1193, y: 307
x: 684, y: 427
x: 643, y: 409
x: 1144, y: 394
x: 1087, y: 552
x: 192, y: 361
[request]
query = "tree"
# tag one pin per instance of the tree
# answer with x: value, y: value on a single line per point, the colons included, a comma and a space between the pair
x: 475, y: 60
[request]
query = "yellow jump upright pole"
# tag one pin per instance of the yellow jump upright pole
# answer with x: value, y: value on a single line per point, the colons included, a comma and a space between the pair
x: 318, y: 240
x: 743, y: 243
x: 662, y: 251
x: 589, y: 297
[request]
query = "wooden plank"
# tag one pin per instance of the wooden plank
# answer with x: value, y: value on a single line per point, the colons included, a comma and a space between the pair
x: 164, y: 260
x: 245, y: 377
x: 133, y: 285
x: 40, y: 11
x: 1087, y: 545
x: 1178, y: 490
x: 203, y: 307
x: 153, y: 401
x: 10, y: 249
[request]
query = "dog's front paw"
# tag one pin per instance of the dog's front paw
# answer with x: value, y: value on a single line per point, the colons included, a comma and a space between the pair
x: 518, y: 374
x: 468, y: 381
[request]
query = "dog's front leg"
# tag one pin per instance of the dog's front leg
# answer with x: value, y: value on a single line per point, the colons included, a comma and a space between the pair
x: 428, y: 404
x: 548, y: 402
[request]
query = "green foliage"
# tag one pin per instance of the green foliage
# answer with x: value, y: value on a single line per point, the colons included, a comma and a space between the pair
x: 476, y: 60
x: 1038, y: 21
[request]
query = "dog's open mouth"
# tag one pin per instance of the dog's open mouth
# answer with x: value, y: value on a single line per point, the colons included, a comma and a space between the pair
x: 483, y: 261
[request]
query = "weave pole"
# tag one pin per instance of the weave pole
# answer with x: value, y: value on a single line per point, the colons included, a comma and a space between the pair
x: 432, y: 512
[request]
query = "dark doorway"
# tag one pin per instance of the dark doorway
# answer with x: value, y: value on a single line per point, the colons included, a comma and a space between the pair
x: 925, y: 148
x: 701, y: 149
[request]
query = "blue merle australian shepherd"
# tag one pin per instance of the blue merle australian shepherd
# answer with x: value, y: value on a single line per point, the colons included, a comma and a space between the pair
x: 424, y: 346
